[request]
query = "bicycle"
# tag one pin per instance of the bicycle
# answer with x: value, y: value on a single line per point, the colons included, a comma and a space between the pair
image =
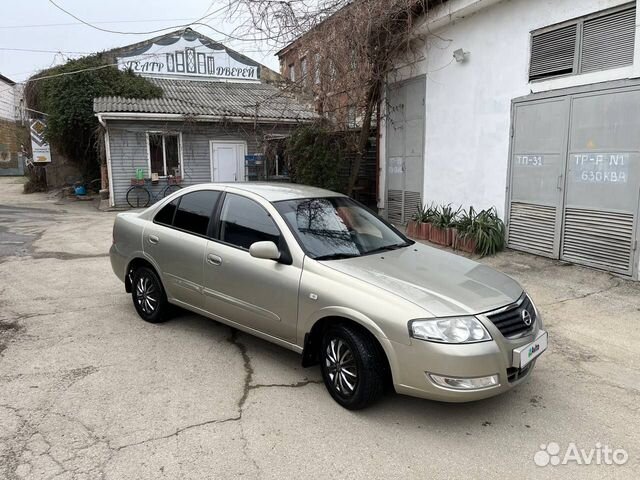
x: 140, y: 194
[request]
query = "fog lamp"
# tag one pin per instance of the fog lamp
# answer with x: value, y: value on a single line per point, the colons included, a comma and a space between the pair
x: 456, y: 383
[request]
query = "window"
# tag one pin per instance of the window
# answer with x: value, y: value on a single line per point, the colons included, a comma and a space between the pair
x: 243, y: 222
x: 292, y: 72
x: 303, y: 68
x: 595, y: 42
x: 195, y: 210
x: 316, y: 69
x: 164, y: 158
x: 352, y: 117
x: 165, y: 215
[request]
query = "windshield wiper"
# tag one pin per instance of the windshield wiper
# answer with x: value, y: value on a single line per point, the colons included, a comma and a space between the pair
x: 394, y: 246
x: 337, y: 256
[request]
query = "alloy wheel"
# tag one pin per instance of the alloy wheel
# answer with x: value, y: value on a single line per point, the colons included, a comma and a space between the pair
x: 147, y: 294
x: 341, y: 367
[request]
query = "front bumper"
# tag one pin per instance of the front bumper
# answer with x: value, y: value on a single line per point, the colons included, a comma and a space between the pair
x: 414, y: 362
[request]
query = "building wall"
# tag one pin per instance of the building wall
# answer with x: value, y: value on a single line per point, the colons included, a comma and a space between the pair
x: 468, y: 104
x: 128, y: 148
x: 7, y: 101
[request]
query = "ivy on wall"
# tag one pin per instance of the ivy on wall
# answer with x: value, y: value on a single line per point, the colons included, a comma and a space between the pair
x: 68, y: 102
x: 313, y: 156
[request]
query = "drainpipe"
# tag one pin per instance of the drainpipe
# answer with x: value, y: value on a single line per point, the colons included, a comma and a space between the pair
x: 107, y: 151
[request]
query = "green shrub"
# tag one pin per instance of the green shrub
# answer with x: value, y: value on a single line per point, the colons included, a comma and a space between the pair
x: 485, y: 228
x: 314, y: 156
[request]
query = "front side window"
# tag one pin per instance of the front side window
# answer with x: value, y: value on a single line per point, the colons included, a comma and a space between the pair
x: 164, y: 157
x: 195, y: 210
x: 338, y: 227
x: 244, y: 222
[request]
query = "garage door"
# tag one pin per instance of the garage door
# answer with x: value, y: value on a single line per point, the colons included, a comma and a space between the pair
x: 575, y: 178
x: 405, y: 148
x: 603, y: 180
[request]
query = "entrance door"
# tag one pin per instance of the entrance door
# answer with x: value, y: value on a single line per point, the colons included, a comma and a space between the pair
x: 537, y: 176
x: 603, y: 179
x: 227, y: 161
x: 405, y: 148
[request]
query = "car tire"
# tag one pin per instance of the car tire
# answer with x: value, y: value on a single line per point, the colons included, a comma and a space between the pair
x: 149, y: 298
x: 352, y: 367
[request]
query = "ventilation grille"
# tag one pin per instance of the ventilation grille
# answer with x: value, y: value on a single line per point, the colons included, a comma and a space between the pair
x: 412, y: 202
x: 532, y: 228
x: 597, y: 238
x: 394, y: 206
x: 607, y: 42
x: 553, y: 52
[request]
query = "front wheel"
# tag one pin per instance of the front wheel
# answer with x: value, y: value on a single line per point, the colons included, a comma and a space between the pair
x: 148, y: 296
x: 170, y: 189
x: 352, y: 367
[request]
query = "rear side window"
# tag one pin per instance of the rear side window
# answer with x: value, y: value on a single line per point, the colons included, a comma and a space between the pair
x: 244, y: 222
x: 195, y: 210
x: 165, y: 215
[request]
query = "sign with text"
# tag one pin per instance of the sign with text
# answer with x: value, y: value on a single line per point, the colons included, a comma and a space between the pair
x: 39, y: 146
x: 187, y: 55
x: 600, y: 167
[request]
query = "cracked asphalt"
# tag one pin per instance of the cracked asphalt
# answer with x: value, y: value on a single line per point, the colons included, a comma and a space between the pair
x: 90, y: 391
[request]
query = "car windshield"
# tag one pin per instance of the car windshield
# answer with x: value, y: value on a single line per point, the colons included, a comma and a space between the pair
x: 338, y: 227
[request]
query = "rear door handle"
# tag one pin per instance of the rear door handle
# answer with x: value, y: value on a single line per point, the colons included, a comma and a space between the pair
x: 153, y: 239
x: 214, y: 259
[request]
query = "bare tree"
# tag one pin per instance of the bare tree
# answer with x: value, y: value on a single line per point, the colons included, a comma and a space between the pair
x: 349, y: 47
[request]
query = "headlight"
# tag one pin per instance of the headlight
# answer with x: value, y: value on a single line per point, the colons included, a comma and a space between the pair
x: 449, y: 330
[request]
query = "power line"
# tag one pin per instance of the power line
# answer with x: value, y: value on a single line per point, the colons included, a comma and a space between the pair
x: 89, y: 24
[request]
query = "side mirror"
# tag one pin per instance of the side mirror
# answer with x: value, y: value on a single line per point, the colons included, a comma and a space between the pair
x: 265, y: 250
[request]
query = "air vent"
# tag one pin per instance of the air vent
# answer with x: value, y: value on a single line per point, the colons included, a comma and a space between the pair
x: 607, y: 42
x: 412, y: 201
x: 532, y: 228
x: 553, y: 52
x: 598, y: 238
x: 394, y: 206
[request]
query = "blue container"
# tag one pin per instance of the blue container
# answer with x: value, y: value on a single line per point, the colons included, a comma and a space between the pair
x: 80, y: 190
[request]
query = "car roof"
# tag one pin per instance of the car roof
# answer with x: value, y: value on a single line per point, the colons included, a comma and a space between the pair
x: 275, y: 192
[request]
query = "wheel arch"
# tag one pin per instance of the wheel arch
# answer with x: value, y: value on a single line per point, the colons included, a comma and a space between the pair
x: 133, y: 264
x: 313, y: 340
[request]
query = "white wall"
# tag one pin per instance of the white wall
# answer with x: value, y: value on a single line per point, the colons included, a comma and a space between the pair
x: 468, y: 104
x: 7, y: 101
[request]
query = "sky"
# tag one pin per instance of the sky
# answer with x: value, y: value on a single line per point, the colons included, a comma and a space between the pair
x: 39, y: 25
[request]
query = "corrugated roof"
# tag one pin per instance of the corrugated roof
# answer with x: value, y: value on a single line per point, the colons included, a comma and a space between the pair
x: 190, y: 97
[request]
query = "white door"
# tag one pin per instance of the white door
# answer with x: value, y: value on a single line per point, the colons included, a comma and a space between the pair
x: 227, y: 162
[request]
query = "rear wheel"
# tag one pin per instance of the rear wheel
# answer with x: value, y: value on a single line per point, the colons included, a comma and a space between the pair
x: 138, y: 197
x: 148, y: 296
x: 352, y: 368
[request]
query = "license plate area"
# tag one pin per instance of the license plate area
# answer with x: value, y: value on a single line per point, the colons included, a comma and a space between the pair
x: 524, y: 355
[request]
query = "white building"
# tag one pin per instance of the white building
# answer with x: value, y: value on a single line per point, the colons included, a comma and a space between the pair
x: 528, y: 106
x: 10, y: 156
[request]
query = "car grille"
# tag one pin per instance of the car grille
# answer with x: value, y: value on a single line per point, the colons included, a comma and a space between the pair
x: 509, y: 320
x: 514, y: 374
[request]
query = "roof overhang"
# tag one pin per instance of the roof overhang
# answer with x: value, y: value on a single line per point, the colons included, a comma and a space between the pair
x: 103, y: 116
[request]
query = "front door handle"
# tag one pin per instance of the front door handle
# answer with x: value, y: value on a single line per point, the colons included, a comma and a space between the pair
x: 214, y: 259
x: 153, y: 239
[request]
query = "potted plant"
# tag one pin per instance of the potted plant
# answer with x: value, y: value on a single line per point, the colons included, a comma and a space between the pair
x: 413, y: 225
x: 420, y: 224
x: 442, y: 224
x: 486, y: 232
x: 462, y: 239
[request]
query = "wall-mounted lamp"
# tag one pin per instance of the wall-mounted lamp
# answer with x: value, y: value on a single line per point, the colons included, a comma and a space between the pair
x: 460, y: 55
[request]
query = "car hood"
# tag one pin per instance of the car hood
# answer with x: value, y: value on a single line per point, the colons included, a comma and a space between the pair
x: 442, y: 283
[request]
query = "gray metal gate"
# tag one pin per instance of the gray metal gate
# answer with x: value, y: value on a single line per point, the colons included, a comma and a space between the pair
x: 538, y: 160
x: 405, y: 148
x: 575, y: 178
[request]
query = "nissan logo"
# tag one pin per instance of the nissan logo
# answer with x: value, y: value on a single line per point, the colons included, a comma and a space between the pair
x: 526, y: 318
